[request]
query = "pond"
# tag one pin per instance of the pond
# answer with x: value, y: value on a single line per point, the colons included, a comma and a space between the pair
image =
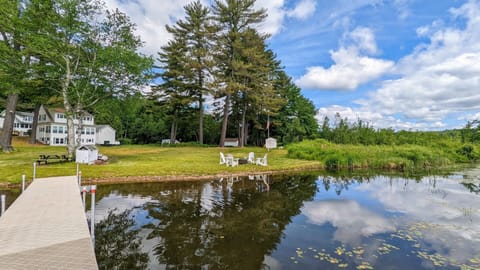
x: 304, y: 221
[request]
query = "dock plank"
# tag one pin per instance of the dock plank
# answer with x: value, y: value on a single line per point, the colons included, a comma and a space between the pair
x: 46, y: 228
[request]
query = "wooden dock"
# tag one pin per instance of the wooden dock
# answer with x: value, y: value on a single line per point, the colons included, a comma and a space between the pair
x: 46, y: 228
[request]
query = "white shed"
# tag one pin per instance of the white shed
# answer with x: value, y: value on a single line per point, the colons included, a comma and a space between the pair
x: 86, y: 154
x: 233, y: 142
x: 271, y: 143
x: 105, y: 135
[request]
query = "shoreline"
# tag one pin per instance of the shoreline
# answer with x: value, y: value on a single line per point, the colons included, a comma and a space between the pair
x: 169, y: 178
x: 204, y: 177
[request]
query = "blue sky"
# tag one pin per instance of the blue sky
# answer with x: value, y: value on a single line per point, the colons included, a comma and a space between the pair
x: 403, y: 64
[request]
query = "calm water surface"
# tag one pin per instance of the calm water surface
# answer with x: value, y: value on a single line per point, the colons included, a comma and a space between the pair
x: 307, y: 221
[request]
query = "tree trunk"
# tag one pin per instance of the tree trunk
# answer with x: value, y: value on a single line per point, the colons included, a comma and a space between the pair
x: 173, y: 131
x: 242, y: 128
x: 200, y: 120
x: 6, y: 137
x: 70, y: 136
x: 226, y: 109
x: 245, y: 135
x: 78, y: 141
x: 69, y: 110
x: 33, y: 134
x: 200, y: 106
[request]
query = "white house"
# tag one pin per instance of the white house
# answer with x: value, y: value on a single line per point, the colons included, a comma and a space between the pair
x: 52, y: 127
x: 106, y: 135
x: 22, y: 124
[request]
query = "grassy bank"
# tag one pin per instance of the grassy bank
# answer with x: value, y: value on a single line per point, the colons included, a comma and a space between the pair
x: 435, y: 155
x: 142, y: 160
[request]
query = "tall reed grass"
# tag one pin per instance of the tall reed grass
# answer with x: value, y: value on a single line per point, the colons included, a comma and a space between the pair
x: 401, y: 157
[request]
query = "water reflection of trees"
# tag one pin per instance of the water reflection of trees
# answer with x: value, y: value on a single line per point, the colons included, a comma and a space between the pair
x: 472, y: 187
x: 117, y: 245
x: 224, y: 224
x: 341, y: 183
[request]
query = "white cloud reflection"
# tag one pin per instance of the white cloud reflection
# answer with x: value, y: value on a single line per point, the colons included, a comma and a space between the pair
x: 118, y: 202
x: 451, y: 211
x: 351, y: 220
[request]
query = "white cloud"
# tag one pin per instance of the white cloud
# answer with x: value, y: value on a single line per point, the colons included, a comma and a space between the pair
x: 351, y: 220
x: 303, y: 10
x: 276, y: 14
x: 151, y: 16
x: 470, y: 117
x: 349, y: 71
x: 439, y: 78
x: 374, y: 119
x: 352, y: 67
x: 402, y: 8
x: 365, y: 39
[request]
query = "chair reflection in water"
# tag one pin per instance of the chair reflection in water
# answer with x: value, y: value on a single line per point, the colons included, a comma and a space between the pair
x: 261, y: 181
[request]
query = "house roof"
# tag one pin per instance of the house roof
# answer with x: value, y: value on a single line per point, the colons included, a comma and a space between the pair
x: 87, y: 147
x: 99, y: 127
x: 17, y: 113
x: 19, y: 116
x: 51, y: 112
x: 24, y: 113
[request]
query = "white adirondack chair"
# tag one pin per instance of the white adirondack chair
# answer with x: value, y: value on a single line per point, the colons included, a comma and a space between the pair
x: 262, y: 161
x: 223, y: 160
x: 251, y: 157
x: 231, y: 161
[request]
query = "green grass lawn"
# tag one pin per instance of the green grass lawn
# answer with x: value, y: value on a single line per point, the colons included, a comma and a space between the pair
x: 142, y: 160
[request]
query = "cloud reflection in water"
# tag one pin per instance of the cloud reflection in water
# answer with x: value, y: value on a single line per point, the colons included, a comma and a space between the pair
x: 351, y: 220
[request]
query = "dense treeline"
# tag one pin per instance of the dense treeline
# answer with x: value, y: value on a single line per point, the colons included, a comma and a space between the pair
x: 342, y: 131
x: 77, y: 55
x: 359, y: 145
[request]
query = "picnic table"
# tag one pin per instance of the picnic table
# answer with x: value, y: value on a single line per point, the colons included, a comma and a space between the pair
x: 52, y: 157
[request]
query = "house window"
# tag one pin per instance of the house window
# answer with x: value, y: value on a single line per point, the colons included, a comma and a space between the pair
x: 57, y: 141
x: 62, y: 141
x: 47, y: 129
x: 43, y: 117
x: 60, y: 129
x: 54, y: 129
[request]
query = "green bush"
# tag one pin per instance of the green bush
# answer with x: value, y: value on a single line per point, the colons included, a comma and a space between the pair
x: 468, y: 151
x: 125, y: 141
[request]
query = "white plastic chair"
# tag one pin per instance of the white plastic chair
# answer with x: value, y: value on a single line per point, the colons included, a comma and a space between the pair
x: 262, y: 161
x: 223, y: 160
x: 231, y: 161
x: 251, y: 157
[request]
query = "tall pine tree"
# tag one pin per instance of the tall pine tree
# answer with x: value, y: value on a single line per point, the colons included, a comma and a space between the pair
x: 234, y: 17
x: 197, y: 32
